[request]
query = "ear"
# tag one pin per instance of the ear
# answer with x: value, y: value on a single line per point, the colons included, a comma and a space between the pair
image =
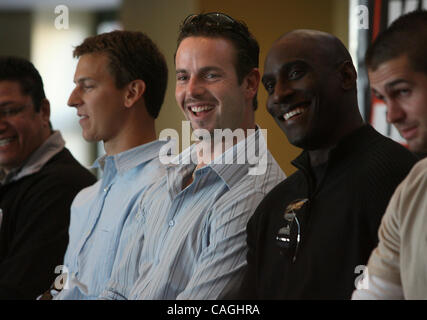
x: 348, y: 75
x: 45, y: 111
x: 134, y: 91
x: 251, y: 83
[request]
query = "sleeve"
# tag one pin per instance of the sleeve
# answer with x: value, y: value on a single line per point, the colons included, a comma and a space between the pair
x: 40, y: 238
x: 384, y: 260
x: 400, y: 233
x: 384, y: 274
x: 373, y: 288
x: 219, y: 269
x: 382, y: 278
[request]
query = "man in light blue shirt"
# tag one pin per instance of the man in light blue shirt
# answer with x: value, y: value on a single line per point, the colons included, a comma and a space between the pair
x: 120, y: 85
x: 189, y: 229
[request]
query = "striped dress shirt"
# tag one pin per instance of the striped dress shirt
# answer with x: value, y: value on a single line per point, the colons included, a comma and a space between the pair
x: 191, y: 243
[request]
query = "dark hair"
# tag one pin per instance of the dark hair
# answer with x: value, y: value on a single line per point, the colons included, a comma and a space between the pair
x: 406, y: 35
x: 220, y: 25
x: 23, y: 72
x: 132, y: 55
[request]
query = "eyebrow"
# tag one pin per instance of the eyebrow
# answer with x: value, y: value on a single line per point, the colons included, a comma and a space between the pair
x: 80, y: 80
x: 6, y: 103
x: 375, y: 92
x: 393, y: 83
x: 284, y: 67
x: 202, y: 70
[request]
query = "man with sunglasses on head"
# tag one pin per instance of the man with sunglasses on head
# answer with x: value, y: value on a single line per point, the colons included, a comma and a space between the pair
x: 38, y: 180
x: 189, y: 232
x: 311, y: 234
x: 397, y: 68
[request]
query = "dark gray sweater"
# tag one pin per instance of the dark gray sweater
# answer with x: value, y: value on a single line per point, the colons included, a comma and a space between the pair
x: 339, y: 226
x: 34, y: 230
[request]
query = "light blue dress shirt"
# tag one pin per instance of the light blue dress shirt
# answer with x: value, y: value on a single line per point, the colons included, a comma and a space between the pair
x: 98, y: 214
x: 191, y: 243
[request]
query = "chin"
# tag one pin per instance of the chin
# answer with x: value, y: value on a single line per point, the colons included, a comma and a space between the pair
x: 300, y: 143
x: 306, y: 142
x: 297, y: 139
x: 293, y: 139
x: 418, y: 147
x: 88, y: 138
x: 202, y: 126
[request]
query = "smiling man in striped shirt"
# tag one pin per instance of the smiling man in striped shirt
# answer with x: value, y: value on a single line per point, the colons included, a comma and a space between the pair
x: 189, y: 231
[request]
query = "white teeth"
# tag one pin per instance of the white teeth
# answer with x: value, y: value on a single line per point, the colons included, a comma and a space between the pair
x: 292, y: 113
x: 201, y: 108
x: 5, y: 141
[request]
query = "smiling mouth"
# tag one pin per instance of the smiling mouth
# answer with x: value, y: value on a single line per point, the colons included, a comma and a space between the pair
x: 295, y: 112
x: 408, y: 133
x: 199, y: 110
x: 6, y: 141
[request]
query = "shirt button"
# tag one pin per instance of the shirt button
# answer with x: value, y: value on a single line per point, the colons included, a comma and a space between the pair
x: 105, y: 189
x: 140, y: 217
x: 171, y: 223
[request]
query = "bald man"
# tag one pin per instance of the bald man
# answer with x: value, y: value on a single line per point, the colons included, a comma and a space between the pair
x: 311, y: 235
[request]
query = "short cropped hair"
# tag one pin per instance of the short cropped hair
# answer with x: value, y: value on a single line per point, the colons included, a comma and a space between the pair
x: 132, y: 55
x: 406, y: 36
x: 220, y: 25
x: 23, y: 71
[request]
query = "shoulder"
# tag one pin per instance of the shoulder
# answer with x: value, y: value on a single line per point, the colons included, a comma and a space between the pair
x: 409, y: 205
x: 405, y: 215
x: 146, y: 173
x: 64, y: 169
x: 258, y: 181
x: 62, y: 177
x: 419, y: 171
x: 384, y: 163
x: 383, y: 150
x: 265, y: 175
x: 415, y: 183
x: 88, y: 193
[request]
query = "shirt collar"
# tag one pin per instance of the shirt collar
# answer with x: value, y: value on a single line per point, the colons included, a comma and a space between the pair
x: 354, y: 141
x: 245, y: 155
x: 35, y: 162
x: 133, y: 157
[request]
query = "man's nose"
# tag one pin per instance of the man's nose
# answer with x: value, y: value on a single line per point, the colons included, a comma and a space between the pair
x: 3, y: 123
x: 195, y: 87
x: 282, y: 92
x: 74, y: 100
x: 395, y: 113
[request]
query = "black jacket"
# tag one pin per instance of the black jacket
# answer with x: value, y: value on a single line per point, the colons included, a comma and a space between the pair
x: 34, y: 230
x: 338, y: 228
